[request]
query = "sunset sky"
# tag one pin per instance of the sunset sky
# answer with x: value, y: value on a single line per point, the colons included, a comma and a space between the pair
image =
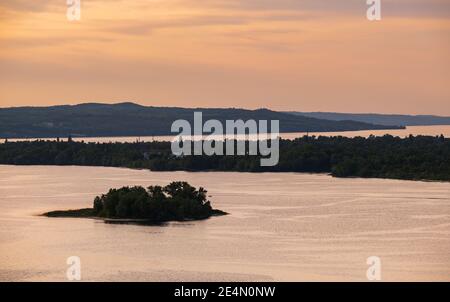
x: 305, y: 55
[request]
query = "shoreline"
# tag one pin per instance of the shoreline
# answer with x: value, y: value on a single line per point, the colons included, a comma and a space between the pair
x: 87, y: 213
x: 240, y: 172
x: 172, y: 136
x: 284, y: 135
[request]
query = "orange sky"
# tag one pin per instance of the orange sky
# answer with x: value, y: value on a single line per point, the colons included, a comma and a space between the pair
x: 305, y: 55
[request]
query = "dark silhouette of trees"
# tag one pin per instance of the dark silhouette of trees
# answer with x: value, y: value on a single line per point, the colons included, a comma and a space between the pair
x: 176, y: 201
x: 413, y: 157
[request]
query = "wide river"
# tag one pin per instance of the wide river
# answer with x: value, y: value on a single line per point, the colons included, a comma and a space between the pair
x: 283, y: 227
x: 410, y: 130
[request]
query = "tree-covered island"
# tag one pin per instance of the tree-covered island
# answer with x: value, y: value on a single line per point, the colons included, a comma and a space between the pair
x: 178, y: 201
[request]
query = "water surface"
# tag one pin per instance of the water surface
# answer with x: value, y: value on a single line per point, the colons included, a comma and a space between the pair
x: 412, y: 130
x: 283, y: 227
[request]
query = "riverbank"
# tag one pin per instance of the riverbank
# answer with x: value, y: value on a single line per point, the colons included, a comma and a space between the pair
x: 412, y: 158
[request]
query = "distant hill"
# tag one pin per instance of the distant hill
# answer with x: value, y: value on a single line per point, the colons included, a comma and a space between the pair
x: 129, y: 119
x: 380, y: 119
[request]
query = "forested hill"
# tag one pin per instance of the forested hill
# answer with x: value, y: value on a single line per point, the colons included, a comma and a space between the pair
x: 380, y: 119
x: 129, y: 119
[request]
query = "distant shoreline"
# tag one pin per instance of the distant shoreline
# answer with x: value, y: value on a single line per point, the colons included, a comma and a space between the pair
x: 426, y: 130
x: 170, y: 137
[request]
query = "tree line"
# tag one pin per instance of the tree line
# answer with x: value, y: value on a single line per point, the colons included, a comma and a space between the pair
x: 413, y: 157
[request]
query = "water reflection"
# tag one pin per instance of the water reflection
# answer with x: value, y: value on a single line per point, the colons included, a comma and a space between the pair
x: 287, y: 226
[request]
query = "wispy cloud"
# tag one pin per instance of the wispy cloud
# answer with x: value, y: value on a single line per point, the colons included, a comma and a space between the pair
x: 284, y: 54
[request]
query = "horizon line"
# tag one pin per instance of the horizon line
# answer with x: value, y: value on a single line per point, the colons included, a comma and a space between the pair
x: 223, y: 108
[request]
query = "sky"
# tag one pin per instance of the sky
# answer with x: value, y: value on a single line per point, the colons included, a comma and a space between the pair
x: 303, y: 55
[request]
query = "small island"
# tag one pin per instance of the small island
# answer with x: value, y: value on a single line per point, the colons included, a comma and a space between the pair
x: 178, y: 201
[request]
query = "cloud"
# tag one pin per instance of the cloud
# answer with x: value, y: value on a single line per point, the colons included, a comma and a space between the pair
x: 410, y: 8
x: 32, y: 42
x: 137, y: 27
x: 322, y: 52
x: 391, y: 7
x: 30, y: 6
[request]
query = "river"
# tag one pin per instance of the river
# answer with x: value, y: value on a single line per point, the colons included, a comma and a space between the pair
x: 411, y: 130
x: 282, y: 227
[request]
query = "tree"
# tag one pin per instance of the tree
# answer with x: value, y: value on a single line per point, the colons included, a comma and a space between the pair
x: 98, y: 205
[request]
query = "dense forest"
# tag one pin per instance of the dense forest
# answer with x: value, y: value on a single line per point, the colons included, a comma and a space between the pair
x: 414, y: 158
x: 178, y: 201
